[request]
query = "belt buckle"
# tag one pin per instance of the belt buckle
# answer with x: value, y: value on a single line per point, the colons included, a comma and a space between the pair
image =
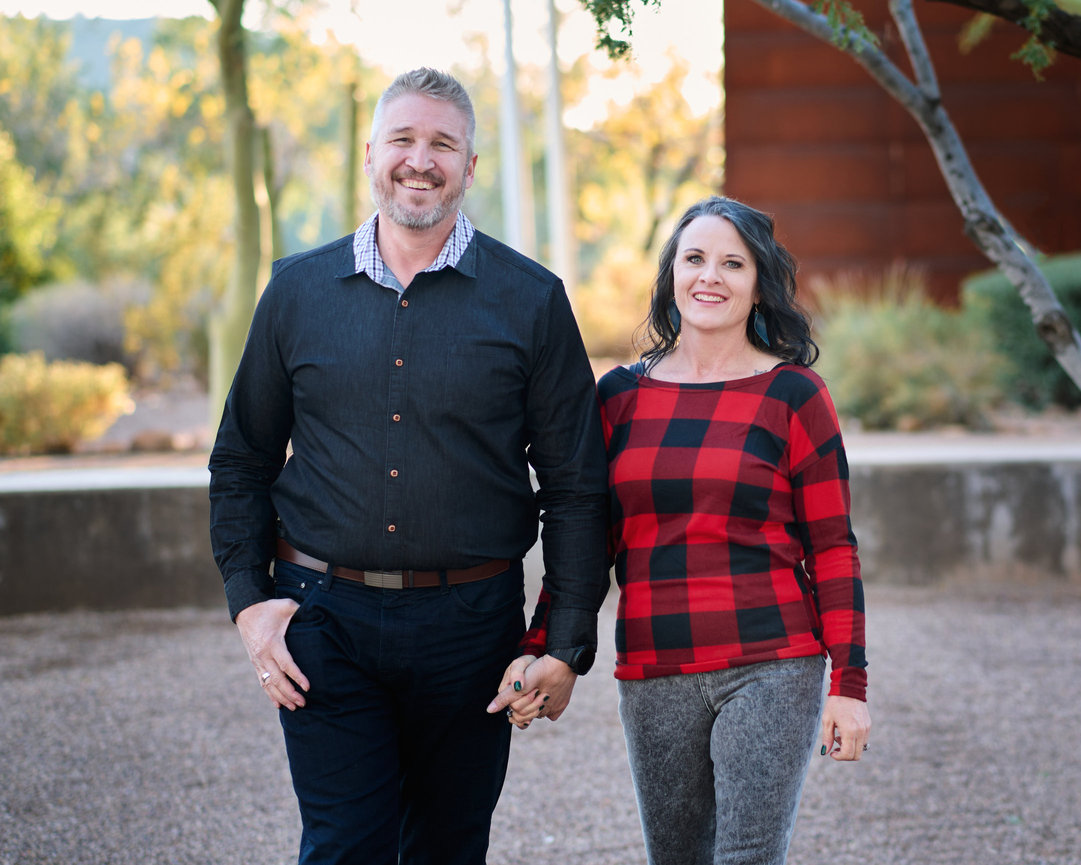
x: 383, y: 579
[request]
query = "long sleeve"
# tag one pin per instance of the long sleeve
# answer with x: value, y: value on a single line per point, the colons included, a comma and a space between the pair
x: 567, y: 453
x: 822, y: 506
x: 247, y: 458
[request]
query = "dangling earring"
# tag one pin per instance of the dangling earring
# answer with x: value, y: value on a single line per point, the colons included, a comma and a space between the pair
x: 760, y: 326
x: 673, y: 315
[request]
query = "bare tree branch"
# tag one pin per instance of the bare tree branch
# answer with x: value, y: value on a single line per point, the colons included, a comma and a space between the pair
x: 1059, y: 28
x: 868, y: 55
x: 920, y: 57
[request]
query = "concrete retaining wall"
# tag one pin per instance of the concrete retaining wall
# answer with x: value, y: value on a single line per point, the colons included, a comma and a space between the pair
x: 106, y: 549
x: 918, y: 525
x: 114, y: 548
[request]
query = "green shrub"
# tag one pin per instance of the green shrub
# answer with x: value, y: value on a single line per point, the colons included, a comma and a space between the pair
x: 1030, y: 376
x: 51, y: 407
x: 894, y: 360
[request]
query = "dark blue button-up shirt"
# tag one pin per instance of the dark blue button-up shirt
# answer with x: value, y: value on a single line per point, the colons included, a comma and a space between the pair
x: 413, y: 421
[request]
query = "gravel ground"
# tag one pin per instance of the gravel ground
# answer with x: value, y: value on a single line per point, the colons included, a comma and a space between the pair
x: 142, y: 738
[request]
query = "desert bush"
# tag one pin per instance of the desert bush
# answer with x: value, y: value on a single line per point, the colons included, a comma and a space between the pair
x: 1030, y: 375
x: 51, y: 407
x: 895, y: 360
x: 76, y: 321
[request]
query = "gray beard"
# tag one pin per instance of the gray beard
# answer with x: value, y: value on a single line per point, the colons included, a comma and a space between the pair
x: 412, y: 219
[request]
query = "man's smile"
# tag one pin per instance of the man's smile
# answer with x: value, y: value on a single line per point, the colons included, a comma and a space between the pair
x: 418, y: 183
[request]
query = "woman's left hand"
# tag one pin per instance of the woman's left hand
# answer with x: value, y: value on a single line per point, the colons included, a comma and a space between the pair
x: 846, y: 726
x: 532, y: 688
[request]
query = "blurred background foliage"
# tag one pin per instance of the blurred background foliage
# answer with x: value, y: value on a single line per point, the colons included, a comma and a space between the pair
x: 116, y: 218
x: 1029, y: 374
x: 121, y: 178
x: 893, y: 359
x: 51, y: 407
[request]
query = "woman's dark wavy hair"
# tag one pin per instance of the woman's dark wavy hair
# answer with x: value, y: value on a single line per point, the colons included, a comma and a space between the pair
x: 787, y: 325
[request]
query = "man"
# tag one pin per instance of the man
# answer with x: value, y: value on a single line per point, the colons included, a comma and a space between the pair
x: 416, y: 368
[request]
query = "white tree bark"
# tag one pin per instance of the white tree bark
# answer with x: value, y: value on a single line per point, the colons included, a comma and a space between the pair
x: 510, y: 141
x: 986, y: 227
x: 560, y: 237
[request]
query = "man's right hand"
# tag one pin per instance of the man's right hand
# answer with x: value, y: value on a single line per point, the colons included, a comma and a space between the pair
x: 262, y: 628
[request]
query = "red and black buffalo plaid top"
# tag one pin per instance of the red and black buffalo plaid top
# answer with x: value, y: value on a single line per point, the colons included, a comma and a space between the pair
x: 730, y: 526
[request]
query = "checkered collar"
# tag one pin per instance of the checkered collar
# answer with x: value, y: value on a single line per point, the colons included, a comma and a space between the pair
x: 369, y: 261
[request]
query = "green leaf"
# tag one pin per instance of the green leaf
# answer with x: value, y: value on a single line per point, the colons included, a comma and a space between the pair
x: 845, y: 20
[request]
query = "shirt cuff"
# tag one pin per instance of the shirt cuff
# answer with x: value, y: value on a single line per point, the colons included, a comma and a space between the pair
x: 569, y: 628
x: 247, y: 588
x: 849, y: 682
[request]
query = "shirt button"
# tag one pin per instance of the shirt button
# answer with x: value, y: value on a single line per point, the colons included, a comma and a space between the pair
x: 398, y: 362
x: 405, y: 303
x: 392, y: 528
x: 396, y: 417
x: 394, y: 473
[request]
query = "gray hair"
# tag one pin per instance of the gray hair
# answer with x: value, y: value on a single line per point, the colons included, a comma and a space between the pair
x: 435, y: 85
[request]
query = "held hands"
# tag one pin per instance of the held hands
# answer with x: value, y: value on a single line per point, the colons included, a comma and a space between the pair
x: 262, y: 628
x: 533, y: 687
x: 846, y: 725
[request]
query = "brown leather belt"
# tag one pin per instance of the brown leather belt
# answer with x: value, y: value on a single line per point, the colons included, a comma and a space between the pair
x: 393, y: 579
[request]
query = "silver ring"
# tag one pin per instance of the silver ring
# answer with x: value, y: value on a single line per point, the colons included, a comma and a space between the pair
x: 510, y: 713
x: 265, y: 677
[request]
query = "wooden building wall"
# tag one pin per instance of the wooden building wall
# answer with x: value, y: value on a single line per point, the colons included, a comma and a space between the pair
x: 848, y: 173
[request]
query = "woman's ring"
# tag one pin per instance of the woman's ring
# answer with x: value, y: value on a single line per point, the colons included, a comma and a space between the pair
x: 510, y: 713
x: 266, y: 676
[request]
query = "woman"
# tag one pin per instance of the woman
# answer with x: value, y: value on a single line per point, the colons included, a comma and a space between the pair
x: 733, y: 549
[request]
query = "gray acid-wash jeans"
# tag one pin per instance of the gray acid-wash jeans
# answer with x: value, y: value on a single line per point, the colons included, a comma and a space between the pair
x: 718, y: 759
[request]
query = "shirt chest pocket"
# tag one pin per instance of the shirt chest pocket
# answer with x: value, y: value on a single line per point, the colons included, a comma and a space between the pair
x: 484, y: 382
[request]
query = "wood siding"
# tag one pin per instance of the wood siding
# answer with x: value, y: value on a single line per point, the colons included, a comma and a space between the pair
x: 848, y: 173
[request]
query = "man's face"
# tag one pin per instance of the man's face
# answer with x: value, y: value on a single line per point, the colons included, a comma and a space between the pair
x: 418, y: 162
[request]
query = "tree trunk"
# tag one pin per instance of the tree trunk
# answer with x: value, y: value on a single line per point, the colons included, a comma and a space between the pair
x: 510, y: 142
x: 352, y: 155
x: 229, y: 327
x: 986, y: 227
x: 273, y: 200
x: 561, y: 246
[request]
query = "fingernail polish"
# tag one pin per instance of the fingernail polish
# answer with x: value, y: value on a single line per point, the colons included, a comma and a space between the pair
x: 823, y: 750
x: 517, y: 686
x: 546, y: 696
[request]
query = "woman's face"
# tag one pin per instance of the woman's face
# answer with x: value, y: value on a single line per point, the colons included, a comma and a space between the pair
x: 714, y: 277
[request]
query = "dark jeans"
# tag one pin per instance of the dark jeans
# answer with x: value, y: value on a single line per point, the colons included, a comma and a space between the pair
x: 394, y: 753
